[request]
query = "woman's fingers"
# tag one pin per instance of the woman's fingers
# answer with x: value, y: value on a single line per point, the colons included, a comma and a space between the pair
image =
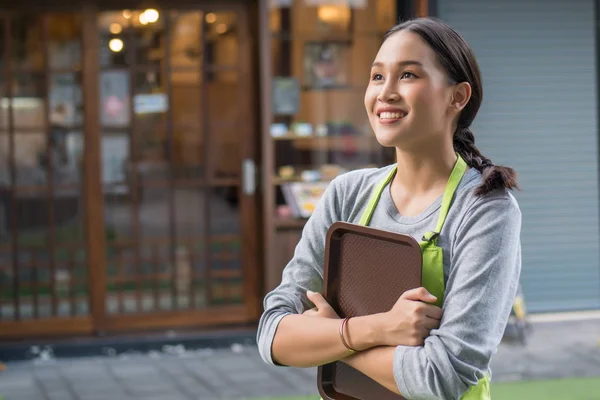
x: 419, y: 294
x: 317, y: 299
x: 323, y: 309
x: 433, y: 312
x: 431, y: 323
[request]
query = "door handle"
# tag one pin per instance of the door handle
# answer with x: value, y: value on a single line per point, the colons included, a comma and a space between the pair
x: 249, y: 177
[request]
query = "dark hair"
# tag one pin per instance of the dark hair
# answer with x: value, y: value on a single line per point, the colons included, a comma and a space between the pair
x: 460, y: 64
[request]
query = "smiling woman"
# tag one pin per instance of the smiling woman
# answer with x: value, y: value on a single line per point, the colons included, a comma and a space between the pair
x: 436, y: 341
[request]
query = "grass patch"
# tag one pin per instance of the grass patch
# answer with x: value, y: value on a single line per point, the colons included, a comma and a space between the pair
x: 560, y: 389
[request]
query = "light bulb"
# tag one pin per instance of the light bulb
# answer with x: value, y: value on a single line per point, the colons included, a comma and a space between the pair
x: 115, y: 45
x: 151, y: 15
x: 115, y: 28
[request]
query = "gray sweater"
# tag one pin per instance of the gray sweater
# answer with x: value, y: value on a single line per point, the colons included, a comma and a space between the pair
x: 482, y: 264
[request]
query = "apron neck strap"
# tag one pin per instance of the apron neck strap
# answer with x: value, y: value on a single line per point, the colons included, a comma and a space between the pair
x: 366, y: 217
x: 460, y: 167
x: 457, y: 173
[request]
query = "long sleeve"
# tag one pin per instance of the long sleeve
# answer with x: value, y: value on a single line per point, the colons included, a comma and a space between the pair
x: 481, y: 287
x: 304, y: 271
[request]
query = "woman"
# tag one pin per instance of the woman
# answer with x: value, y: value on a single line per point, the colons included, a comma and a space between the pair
x: 424, y: 92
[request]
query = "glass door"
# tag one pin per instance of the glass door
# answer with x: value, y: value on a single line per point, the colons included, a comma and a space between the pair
x: 177, y: 153
x: 43, y: 253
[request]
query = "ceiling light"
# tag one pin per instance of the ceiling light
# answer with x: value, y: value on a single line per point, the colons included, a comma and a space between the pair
x: 115, y: 28
x: 221, y: 28
x: 151, y: 15
x: 211, y: 18
x: 115, y: 45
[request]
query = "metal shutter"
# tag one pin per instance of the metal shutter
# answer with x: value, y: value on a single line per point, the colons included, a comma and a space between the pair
x: 539, y: 116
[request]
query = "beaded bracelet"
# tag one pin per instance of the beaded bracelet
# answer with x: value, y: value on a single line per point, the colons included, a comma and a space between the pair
x: 342, y: 335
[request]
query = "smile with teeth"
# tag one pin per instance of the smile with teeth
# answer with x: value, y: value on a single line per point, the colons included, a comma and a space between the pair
x: 391, y: 115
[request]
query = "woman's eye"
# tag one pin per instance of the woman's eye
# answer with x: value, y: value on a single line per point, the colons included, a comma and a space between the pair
x: 408, y: 75
x: 377, y: 77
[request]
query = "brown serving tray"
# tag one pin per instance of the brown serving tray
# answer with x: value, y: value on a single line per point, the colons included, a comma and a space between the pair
x: 366, y: 271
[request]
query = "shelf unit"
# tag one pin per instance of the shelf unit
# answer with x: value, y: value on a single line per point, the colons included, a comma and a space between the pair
x: 288, y: 49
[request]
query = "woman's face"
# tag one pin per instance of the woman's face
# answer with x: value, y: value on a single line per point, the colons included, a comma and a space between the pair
x: 408, y: 99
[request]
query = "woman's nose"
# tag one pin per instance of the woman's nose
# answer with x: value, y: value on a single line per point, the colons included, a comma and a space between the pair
x: 389, y: 93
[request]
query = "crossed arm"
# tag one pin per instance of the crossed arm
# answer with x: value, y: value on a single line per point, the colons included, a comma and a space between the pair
x: 316, y: 333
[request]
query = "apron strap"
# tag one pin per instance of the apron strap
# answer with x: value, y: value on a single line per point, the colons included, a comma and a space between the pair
x: 457, y: 173
x: 368, y: 213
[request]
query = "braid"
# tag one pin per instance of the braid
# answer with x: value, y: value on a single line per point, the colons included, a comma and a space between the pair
x: 494, y: 177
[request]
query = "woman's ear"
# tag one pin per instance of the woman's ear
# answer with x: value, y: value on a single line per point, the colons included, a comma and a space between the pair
x: 462, y: 95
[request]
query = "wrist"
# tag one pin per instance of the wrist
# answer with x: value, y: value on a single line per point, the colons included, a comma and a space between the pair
x: 365, y: 332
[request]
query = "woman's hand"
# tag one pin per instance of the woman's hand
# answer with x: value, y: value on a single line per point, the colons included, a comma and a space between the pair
x: 322, y: 308
x: 410, y: 320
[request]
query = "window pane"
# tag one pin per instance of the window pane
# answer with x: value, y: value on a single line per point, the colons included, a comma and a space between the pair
x: 115, y: 45
x: 64, y: 40
x: 188, y: 153
x: 66, y: 104
x: 222, y: 45
x: 115, y: 161
x: 114, y: 99
x: 150, y: 106
x: 148, y: 31
x: 186, y: 43
x: 68, y: 162
x: 28, y: 102
x: 31, y: 158
x: 27, y: 46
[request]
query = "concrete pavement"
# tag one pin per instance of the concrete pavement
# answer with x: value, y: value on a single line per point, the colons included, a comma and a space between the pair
x: 554, y: 350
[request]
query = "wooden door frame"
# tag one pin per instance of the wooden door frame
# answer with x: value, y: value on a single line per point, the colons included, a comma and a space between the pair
x: 93, y: 193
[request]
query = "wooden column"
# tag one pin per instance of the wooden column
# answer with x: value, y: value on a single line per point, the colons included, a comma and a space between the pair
x: 93, y: 193
x: 422, y: 8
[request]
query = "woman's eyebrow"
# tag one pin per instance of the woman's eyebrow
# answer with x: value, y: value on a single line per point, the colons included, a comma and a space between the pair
x: 401, y: 63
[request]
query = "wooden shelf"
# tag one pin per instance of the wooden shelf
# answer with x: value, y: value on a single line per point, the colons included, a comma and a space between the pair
x: 289, y: 223
x: 332, y: 143
x: 280, y: 181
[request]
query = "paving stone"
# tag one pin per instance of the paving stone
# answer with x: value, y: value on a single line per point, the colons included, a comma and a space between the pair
x: 22, y: 394
x: 163, y: 397
x: 59, y: 395
x: 230, y: 393
x: 134, y: 370
x: 250, y: 376
x: 195, y: 392
x: 269, y: 390
x: 106, y: 396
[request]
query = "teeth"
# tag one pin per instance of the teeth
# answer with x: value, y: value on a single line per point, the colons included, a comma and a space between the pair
x: 391, y: 115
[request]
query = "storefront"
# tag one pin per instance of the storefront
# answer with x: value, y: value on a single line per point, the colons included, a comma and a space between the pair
x: 147, y: 154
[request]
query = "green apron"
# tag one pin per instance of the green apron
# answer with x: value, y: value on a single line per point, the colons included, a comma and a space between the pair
x: 433, y: 262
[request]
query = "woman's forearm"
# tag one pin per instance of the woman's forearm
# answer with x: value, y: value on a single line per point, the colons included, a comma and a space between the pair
x: 378, y: 364
x: 307, y: 341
